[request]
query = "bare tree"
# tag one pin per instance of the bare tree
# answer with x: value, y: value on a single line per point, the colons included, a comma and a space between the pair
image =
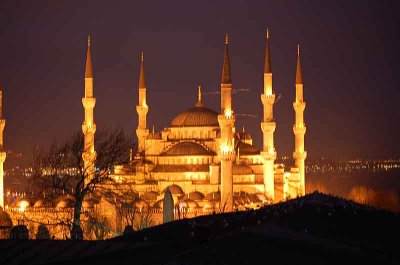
x: 61, y: 171
x: 128, y: 205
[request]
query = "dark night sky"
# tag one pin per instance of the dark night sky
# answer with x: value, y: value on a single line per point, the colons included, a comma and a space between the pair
x: 350, y: 57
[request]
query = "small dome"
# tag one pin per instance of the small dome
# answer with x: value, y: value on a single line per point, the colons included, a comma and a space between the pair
x: 246, y: 149
x: 150, y: 196
x: 187, y: 148
x: 213, y: 196
x: 244, y: 135
x: 195, y: 195
x: 38, y: 203
x: 198, y: 116
x: 174, y: 189
x: 65, y: 201
x: 42, y: 203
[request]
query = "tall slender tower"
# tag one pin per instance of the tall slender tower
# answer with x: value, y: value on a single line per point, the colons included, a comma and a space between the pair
x: 226, y: 122
x: 88, y: 126
x: 141, y: 108
x: 299, y: 128
x: 2, y: 153
x: 268, y: 126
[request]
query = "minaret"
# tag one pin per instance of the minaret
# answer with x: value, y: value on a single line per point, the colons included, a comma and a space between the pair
x: 88, y: 126
x: 268, y: 126
x: 226, y: 122
x: 299, y: 128
x: 142, y: 131
x: 2, y: 153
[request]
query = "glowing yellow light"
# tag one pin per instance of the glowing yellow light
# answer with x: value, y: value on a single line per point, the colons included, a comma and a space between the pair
x: 225, y: 149
x: 228, y: 113
x: 286, y: 174
x: 268, y: 91
x: 23, y: 205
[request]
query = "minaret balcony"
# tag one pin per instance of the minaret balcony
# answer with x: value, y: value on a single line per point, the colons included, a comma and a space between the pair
x: 299, y: 129
x: 226, y: 120
x: 299, y: 106
x: 268, y: 155
x: 88, y: 129
x: 300, y: 155
x: 88, y: 103
x: 268, y: 99
x: 268, y: 126
x: 142, y: 110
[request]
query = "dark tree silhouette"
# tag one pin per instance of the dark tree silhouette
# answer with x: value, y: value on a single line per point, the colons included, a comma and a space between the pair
x: 60, y: 170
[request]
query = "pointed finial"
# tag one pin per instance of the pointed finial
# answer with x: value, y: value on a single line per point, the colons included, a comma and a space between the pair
x: 299, y: 75
x: 267, y: 63
x: 199, y: 99
x: 142, y: 81
x: 226, y: 69
x: 199, y: 94
x: 226, y: 38
x: 88, y: 71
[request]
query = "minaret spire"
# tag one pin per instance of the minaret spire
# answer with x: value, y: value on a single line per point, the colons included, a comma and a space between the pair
x: 226, y: 69
x: 268, y: 126
x: 142, y: 81
x: 226, y: 122
x: 267, y: 64
x: 142, y: 109
x: 299, y: 128
x: 88, y: 126
x: 88, y: 72
x: 2, y: 153
x: 299, y: 75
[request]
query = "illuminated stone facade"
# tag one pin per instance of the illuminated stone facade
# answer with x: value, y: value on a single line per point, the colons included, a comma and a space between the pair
x: 2, y: 153
x: 205, y: 163
x: 202, y: 156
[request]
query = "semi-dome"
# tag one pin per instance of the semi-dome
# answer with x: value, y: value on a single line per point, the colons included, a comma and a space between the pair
x: 195, y: 195
x: 187, y: 148
x: 174, y: 189
x: 198, y: 116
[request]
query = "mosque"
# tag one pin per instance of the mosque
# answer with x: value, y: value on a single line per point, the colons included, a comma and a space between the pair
x: 200, y: 158
x: 205, y: 161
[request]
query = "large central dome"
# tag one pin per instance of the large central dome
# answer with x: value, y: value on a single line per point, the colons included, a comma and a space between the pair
x: 198, y: 116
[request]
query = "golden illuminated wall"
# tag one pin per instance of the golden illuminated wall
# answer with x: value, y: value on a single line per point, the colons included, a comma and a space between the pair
x: 2, y: 153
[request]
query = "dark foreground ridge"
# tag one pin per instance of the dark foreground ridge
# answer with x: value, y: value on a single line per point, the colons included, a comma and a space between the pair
x: 314, y: 229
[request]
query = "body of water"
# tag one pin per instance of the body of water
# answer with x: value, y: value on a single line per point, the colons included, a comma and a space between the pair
x: 340, y: 183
